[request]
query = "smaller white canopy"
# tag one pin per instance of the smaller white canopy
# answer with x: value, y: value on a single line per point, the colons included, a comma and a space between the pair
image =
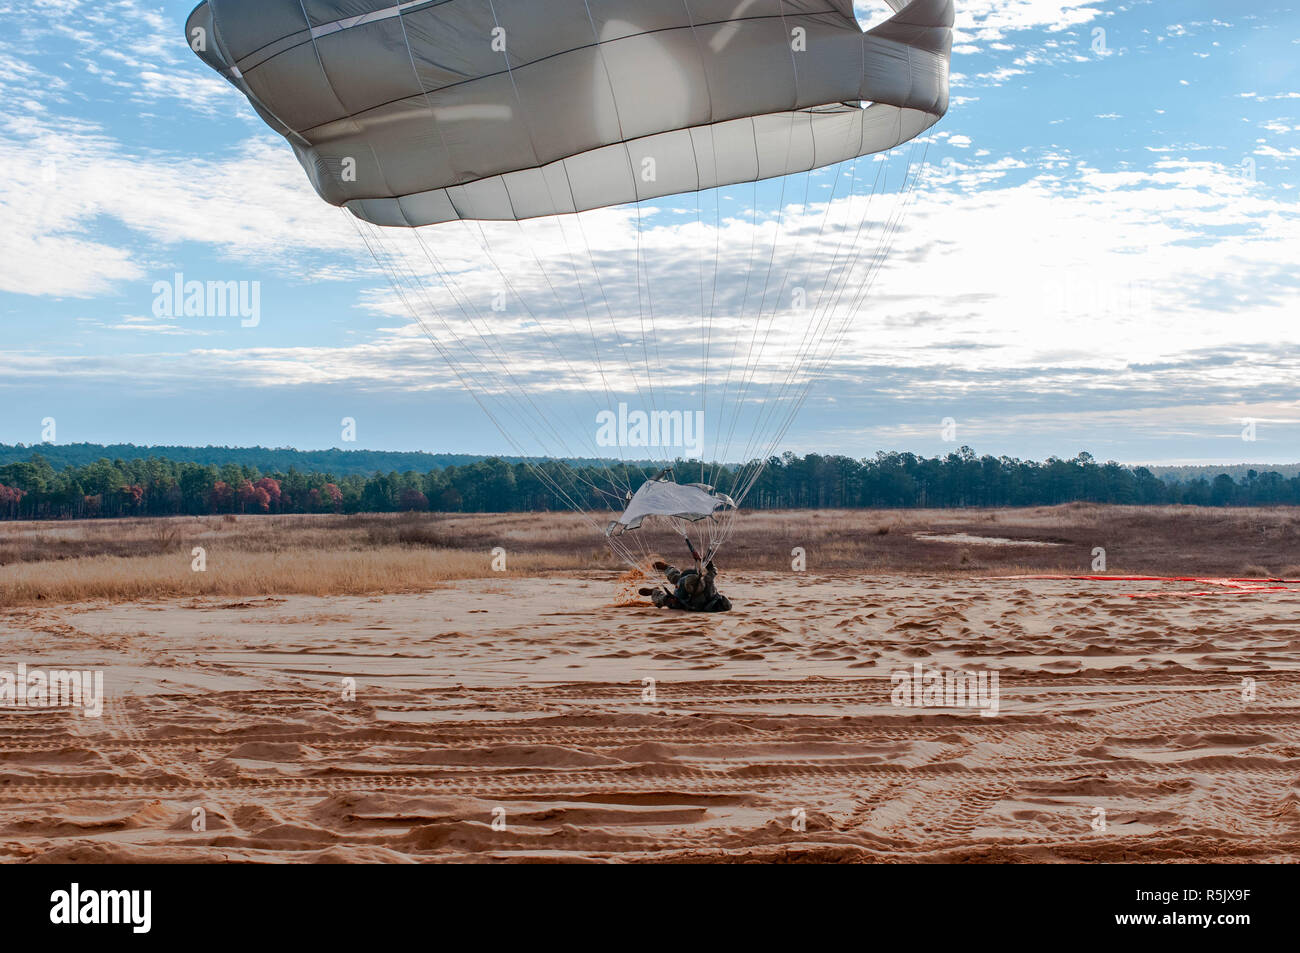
x: 685, y: 501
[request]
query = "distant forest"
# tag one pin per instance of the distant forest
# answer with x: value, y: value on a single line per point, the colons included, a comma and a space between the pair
x: 35, y: 488
x: 265, y: 459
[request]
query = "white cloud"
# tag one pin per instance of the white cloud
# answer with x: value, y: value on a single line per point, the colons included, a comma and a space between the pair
x: 1102, y: 270
x: 64, y: 178
x: 1264, y: 98
x: 998, y: 76
x: 1273, y: 152
x: 992, y: 20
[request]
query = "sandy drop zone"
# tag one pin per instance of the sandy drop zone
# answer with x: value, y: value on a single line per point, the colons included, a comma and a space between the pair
x: 521, y: 698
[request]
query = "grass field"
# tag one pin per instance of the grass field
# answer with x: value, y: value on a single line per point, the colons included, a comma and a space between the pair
x: 391, y: 553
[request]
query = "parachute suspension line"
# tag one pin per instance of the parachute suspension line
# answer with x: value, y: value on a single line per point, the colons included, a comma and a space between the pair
x: 597, y: 455
x: 485, y: 247
x: 760, y: 463
x: 600, y: 284
x: 707, y: 311
x: 631, y: 169
x: 596, y: 39
x: 889, y: 231
x: 705, y: 324
x: 649, y: 305
x: 720, y: 452
x: 713, y: 301
x: 719, y: 458
x: 488, y: 339
x: 586, y: 309
x: 768, y: 408
x: 394, y: 269
x: 449, y: 285
x: 756, y: 460
x: 643, y: 266
x: 438, y: 129
x: 893, y: 226
x: 641, y: 302
x: 623, y: 479
x: 715, y: 533
x: 755, y: 361
x: 827, y: 303
x: 757, y: 348
x: 409, y: 286
x: 704, y: 347
x: 620, y: 548
x: 719, y: 455
x: 881, y: 255
x: 566, y: 495
x: 713, y: 292
x: 704, y: 321
x: 483, y: 170
x: 524, y: 396
x: 909, y: 191
x: 395, y: 278
x: 617, y: 544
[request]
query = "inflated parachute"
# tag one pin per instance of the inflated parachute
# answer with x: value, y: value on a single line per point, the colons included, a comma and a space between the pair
x: 505, y: 162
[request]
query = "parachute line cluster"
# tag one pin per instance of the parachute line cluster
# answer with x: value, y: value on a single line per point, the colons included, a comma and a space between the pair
x: 609, y: 210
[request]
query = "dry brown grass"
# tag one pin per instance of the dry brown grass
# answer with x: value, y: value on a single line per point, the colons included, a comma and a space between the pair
x: 1165, y: 540
x: 274, y: 555
x: 232, y: 573
x: 319, y: 555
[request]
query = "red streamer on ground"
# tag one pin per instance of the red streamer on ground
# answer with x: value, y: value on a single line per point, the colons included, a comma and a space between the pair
x: 1229, y: 586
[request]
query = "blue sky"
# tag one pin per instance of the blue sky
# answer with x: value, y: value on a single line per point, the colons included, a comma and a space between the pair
x: 1101, y: 255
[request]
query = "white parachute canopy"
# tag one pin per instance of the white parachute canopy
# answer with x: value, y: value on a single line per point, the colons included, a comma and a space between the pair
x: 414, y: 113
x: 683, y: 501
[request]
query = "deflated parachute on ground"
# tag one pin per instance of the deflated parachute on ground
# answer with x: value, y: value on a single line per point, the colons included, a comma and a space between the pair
x: 660, y: 497
x: 424, y: 112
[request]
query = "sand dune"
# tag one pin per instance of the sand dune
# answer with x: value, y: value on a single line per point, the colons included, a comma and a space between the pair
x: 510, y: 721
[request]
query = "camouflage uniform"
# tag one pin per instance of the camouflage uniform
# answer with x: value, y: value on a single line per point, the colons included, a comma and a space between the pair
x: 693, y: 591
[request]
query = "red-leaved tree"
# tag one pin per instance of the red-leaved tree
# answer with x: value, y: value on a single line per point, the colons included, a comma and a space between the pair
x: 334, y: 496
x: 10, y: 497
x: 272, y: 490
x: 222, y: 497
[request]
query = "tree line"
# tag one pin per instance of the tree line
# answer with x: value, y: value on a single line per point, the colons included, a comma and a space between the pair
x: 154, y: 486
x: 266, y: 459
